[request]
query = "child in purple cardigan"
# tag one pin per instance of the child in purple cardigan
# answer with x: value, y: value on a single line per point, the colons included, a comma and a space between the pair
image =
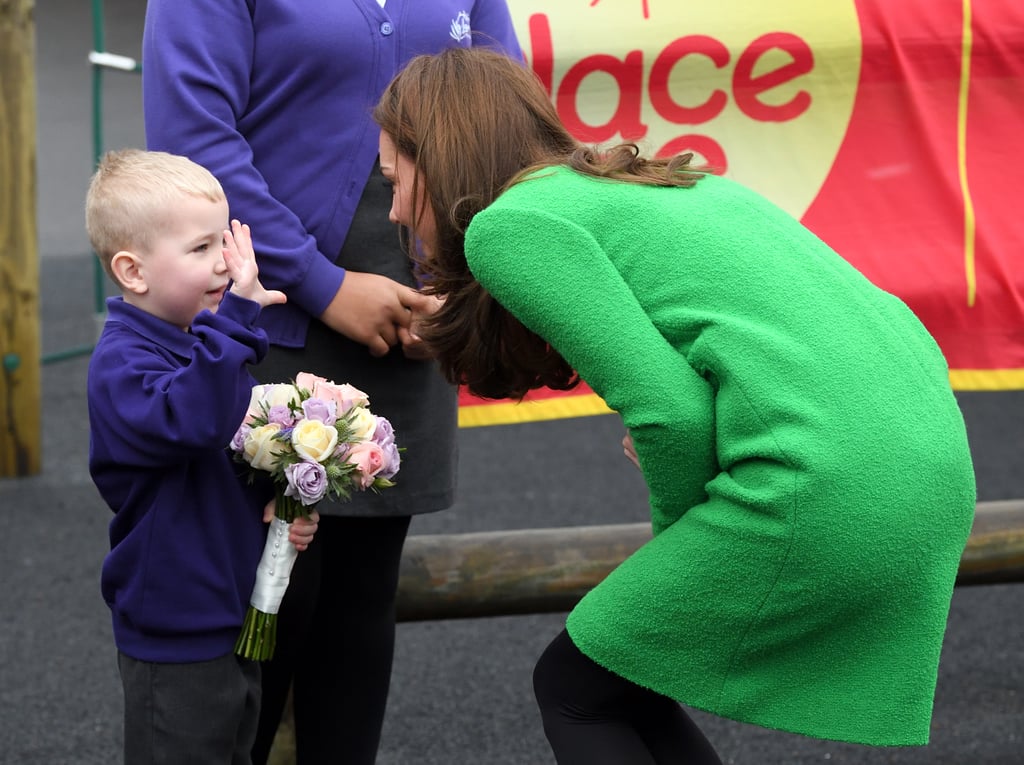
x: 168, y: 385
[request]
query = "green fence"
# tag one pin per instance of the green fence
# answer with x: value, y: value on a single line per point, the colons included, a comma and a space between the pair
x: 100, y: 60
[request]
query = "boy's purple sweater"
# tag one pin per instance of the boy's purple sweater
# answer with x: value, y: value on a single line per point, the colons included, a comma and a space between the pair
x: 187, y: 532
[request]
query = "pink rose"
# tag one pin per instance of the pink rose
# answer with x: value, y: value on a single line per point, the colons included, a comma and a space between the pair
x: 345, y: 395
x: 369, y: 460
x: 308, y: 381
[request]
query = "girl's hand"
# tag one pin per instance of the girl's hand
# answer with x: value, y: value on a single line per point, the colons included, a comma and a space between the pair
x: 240, y: 259
x: 301, y: 531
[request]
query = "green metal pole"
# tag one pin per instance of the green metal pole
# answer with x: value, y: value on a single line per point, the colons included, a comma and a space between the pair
x: 98, y: 45
x: 99, y: 59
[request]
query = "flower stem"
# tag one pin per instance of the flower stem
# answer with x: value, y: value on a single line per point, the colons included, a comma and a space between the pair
x: 258, y: 637
x: 288, y: 508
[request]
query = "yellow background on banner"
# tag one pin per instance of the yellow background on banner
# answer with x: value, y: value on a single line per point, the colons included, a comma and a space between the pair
x: 771, y: 84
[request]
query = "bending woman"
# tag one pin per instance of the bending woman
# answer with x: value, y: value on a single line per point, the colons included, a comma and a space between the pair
x: 811, y: 487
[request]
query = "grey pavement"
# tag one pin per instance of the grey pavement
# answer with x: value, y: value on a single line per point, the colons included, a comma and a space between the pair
x: 461, y: 689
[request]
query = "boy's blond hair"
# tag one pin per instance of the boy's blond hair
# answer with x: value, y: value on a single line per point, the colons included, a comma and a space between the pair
x: 131, y: 197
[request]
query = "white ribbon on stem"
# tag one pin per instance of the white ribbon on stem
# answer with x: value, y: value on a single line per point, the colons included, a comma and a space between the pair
x: 275, y: 569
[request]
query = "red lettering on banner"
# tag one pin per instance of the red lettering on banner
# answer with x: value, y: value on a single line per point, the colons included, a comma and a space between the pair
x: 629, y: 74
x: 746, y: 87
x: 676, y: 51
x: 646, y: 8
x: 543, y: 50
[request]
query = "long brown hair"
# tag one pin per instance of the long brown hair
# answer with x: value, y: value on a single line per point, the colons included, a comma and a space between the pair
x: 474, y: 122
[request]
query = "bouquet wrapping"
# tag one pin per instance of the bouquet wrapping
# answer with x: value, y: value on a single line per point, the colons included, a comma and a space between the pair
x: 316, y: 439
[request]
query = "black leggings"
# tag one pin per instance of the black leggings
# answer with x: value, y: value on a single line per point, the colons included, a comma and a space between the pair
x: 594, y: 717
x: 335, y: 640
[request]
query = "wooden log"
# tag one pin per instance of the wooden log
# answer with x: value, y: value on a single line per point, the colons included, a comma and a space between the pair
x: 995, y: 550
x: 505, y: 573
x: 20, y: 416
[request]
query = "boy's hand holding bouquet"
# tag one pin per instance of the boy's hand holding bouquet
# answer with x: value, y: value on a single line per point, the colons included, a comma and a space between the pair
x: 315, y: 439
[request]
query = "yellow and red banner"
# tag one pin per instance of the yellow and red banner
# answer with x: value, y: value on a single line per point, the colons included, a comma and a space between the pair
x: 894, y: 129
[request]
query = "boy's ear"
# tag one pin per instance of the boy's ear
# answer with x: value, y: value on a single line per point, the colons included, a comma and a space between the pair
x: 127, y: 269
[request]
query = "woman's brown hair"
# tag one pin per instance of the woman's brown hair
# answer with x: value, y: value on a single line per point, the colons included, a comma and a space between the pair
x: 474, y: 122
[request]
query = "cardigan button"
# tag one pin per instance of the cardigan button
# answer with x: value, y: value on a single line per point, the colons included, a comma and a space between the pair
x: 386, y: 28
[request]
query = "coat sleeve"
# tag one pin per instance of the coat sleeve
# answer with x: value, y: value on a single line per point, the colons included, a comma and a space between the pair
x: 554, y: 277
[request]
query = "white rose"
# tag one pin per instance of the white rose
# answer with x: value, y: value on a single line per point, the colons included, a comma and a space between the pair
x: 280, y: 394
x: 261, y: 449
x: 363, y: 424
x: 255, y: 405
x: 313, y: 440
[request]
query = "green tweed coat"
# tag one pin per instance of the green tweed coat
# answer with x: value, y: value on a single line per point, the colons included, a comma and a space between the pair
x: 811, y: 487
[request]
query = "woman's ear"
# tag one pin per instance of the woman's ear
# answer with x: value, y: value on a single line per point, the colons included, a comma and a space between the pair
x: 127, y: 270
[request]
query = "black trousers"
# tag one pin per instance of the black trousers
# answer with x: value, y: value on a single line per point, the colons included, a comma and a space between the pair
x: 594, y: 717
x: 336, y: 639
x: 198, y: 713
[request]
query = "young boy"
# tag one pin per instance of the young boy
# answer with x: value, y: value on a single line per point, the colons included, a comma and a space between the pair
x: 168, y: 386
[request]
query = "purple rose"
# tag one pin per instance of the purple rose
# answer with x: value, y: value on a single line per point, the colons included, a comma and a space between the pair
x: 281, y: 414
x: 307, y: 481
x: 238, y: 441
x: 384, y: 433
x: 320, y: 409
x: 392, y: 460
x: 384, y: 437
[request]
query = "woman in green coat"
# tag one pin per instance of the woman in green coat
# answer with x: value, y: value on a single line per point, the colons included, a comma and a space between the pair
x: 811, y: 487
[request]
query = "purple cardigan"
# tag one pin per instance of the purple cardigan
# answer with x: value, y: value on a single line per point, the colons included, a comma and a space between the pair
x: 187, y: 532
x: 274, y: 98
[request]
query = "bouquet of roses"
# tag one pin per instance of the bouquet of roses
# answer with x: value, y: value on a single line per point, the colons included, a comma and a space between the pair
x: 316, y: 439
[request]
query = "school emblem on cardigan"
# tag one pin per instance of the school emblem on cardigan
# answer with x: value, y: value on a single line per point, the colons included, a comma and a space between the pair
x: 460, y: 27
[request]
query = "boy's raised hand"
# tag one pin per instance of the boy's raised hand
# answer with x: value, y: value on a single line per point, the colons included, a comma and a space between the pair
x: 240, y: 259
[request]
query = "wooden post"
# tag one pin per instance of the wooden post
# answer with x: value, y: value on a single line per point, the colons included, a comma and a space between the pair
x: 19, y: 263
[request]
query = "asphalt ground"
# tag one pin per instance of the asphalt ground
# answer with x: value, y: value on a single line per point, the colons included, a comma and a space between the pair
x: 461, y: 689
